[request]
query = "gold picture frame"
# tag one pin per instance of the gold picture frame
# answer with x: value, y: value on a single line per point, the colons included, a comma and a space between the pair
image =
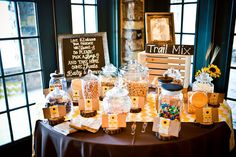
x: 160, y: 28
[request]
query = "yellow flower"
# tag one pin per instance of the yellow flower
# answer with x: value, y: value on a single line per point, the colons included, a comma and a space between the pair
x: 198, y: 73
x: 213, y: 71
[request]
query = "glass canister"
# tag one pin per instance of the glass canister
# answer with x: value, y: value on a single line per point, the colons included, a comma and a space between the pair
x: 170, y: 102
x: 203, y: 83
x: 116, y: 105
x: 58, y: 98
x: 57, y: 80
x: 76, y: 91
x: 107, y: 78
x: 136, y: 78
x: 89, y: 102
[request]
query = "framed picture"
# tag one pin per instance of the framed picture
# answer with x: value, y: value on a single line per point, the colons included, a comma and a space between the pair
x: 160, y: 28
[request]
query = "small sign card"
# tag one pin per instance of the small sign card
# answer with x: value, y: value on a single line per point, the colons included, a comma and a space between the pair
x: 215, y: 99
x: 54, y: 111
x: 114, y: 120
x: 207, y: 115
x: 137, y: 101
x: 169, y: 49
x: 166, y: 126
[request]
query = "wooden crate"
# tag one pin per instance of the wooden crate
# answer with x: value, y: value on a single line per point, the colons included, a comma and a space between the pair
x: 159, y: 63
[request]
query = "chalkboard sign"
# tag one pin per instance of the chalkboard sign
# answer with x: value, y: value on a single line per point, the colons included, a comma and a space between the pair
x: 170, y: 49
x: 80, y: 52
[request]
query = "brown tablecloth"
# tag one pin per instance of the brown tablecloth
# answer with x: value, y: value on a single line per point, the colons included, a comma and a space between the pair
x: 194, y: 141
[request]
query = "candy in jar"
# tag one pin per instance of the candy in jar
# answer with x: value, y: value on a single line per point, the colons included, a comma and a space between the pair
x: 107, y: 79
x: 54, y: 100
x: 116, y: 105
x: 170, y: 102
x: 203, y: 83
x: 136, y: 78
x: 89, y: 102
x: 57, y: 80
x: 76, y: 89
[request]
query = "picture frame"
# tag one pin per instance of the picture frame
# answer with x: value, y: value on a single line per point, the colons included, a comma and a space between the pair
x: 160, y: 28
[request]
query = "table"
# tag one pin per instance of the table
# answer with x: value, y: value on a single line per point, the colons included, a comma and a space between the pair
x: 194, y: 141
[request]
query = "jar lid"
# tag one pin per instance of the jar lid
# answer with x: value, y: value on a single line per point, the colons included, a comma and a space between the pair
x: 165, y: 79
x: 109, y: 69
x: 90, y: 76
x: 172, y: 87
x: 56, y: 74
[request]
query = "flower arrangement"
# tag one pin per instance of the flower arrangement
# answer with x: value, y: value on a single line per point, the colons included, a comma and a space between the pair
x: 211, y: 69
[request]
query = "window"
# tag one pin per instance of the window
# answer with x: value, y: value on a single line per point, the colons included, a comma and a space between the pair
x: 185, y: 12
x: 20, y: 69
x: 231, y: 94
x: 84, y: 16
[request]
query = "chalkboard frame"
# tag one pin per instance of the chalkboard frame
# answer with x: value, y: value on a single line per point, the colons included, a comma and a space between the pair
x: 73, y: 36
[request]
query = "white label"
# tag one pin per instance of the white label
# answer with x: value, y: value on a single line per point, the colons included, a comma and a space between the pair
x: 88, y: 104
x: 112, y: 121
x: 207, y: 115
x: 54, y: 112
x: 164, y: 125
x: 135, y: 101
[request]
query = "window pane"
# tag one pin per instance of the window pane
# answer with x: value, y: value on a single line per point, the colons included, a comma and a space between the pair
x: 176, y: 9
x: 5, y: 136
x: 91, y: 24
x: 34, y: 87
x: 232, y: 105
x: 89, y: 1
x: 232, y: 84
x: 188, y: 40
x: 27, y: 18
x: 11, y: 60
x: 20, y: 123
x: 31, y: 54
x: 77, y: 19
x: 189, y: 18
x: 175, y: 1
x: 76, y: 1
x: 177, y: 38
x: 15, y: 91
x: 2, y: 97
x: 233, y: 60
x: 8, y: 26
x: 190, y: 0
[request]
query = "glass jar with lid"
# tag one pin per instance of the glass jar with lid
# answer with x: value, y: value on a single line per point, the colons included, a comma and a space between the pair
x: 170, y: 103
x: 107, y: 78
x: 203, y: 83
x: 58, y: 98
x: 116, y: 105
x: 57, y: 80
x: 136, y: 78
x: 89, y: 102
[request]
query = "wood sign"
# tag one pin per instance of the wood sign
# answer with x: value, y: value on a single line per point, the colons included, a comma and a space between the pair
x: 80, y: 52
x: 170, y: 49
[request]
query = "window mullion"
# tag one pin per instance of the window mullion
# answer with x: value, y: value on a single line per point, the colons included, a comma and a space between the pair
x: 23, y: 68
x: 181, y: 26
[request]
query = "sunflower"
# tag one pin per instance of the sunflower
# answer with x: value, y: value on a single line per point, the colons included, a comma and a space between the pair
x: 198, y: 73
x: 213, y: 71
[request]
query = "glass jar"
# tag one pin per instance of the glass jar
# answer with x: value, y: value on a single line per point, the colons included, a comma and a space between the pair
x: 58, y: 98
x: 203, y: 83
x: 89, y: 103
x: 170, y: 102
x: 107, y: 79
x: 136, y: 78
x: 57, y: 80
x: 76, y: 91
x: 116, y: 105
